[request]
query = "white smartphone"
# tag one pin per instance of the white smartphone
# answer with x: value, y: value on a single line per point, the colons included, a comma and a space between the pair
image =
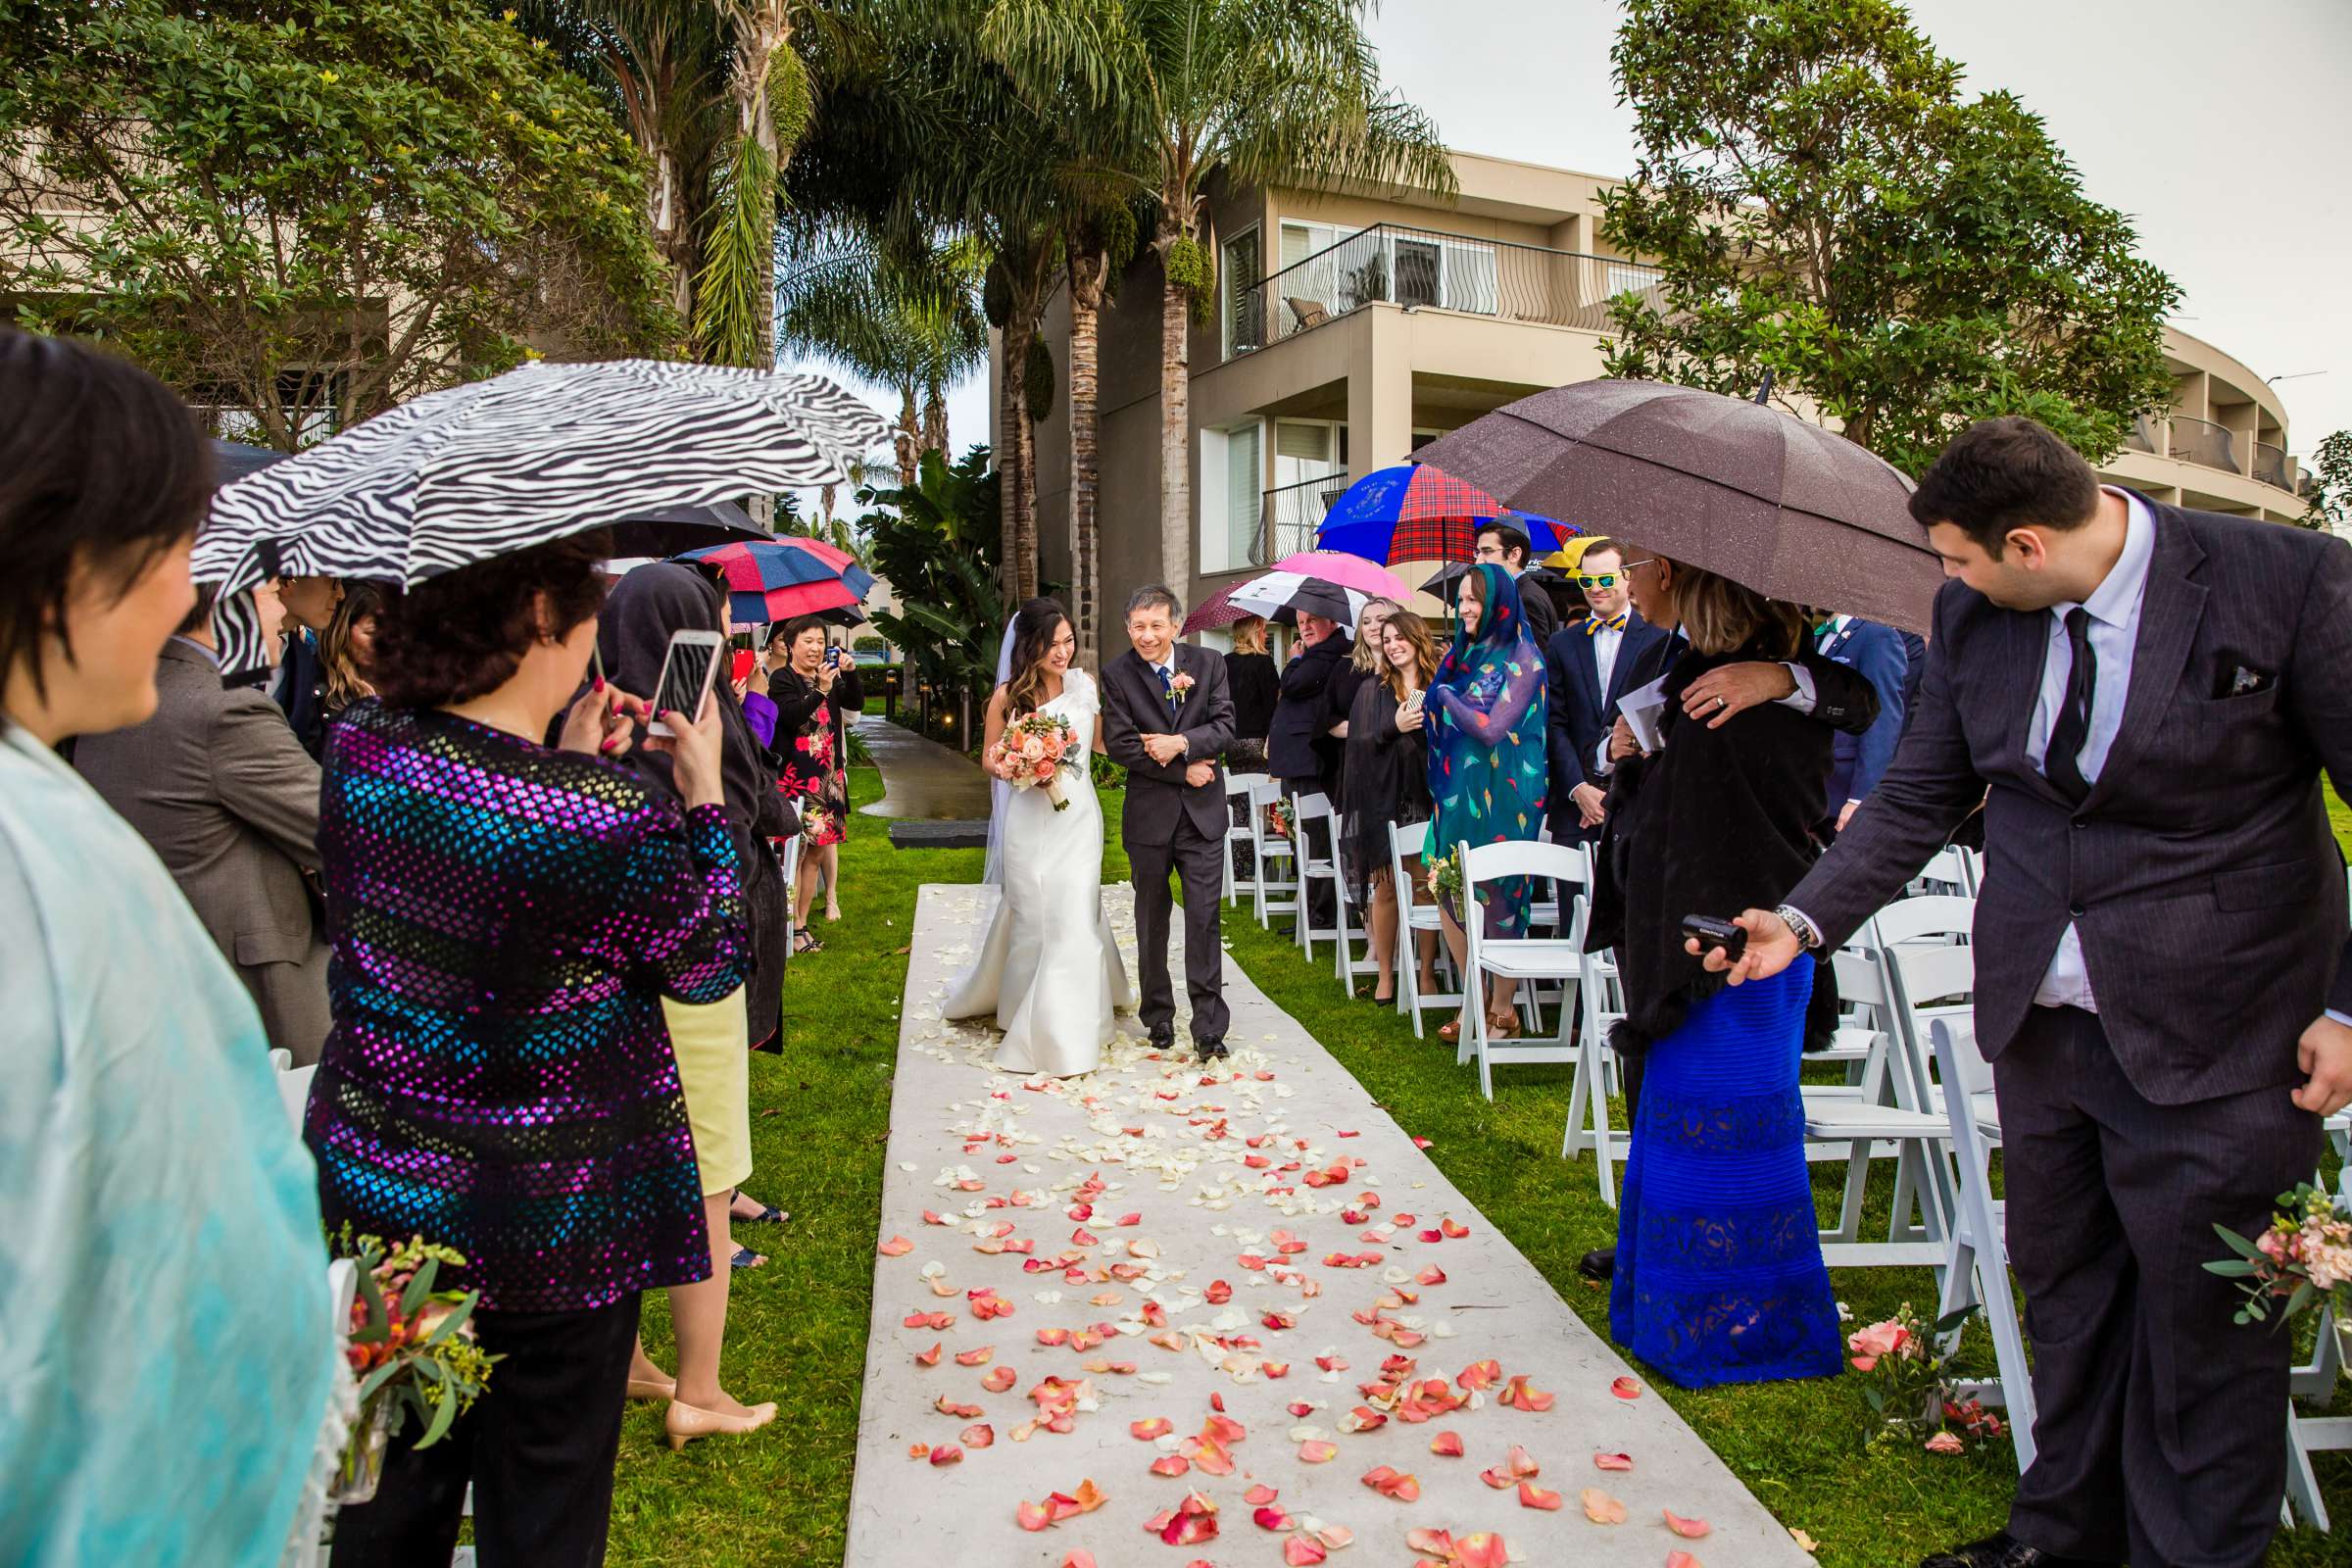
x: 687, y: 670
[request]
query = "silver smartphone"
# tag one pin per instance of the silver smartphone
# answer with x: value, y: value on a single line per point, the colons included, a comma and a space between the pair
x: 687, y: 671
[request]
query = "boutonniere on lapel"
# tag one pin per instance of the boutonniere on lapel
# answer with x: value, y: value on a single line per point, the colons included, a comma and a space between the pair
x: 1178, y: 688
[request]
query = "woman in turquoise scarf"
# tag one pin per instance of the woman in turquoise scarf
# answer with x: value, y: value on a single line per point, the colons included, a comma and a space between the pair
x: 1488, y: 766
x: 169, y: 1357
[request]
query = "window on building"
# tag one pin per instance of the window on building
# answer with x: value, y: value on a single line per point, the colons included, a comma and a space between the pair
x: 1240, y: 270
x: 1231, y: 495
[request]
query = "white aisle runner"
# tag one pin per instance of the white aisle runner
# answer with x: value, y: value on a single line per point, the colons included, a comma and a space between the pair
x: 1161, y: 1293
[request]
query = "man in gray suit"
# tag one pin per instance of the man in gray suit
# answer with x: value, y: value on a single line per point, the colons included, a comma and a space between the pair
x: 2163, y: 981
x: 1167, y: 718
x: 217, y: 784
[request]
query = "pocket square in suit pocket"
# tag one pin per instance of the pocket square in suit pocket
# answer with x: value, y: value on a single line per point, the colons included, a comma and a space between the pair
x: 2233, y: 679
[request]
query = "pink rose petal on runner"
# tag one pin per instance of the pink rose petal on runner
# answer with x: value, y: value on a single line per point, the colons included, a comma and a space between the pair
x: 1602, y: 1508
x: 1614, y: 1461
x: 1687, y: 1529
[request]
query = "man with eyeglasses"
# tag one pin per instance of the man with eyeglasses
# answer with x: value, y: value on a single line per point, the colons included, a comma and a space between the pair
x: 1590, y: 664
x: 1505, y: 546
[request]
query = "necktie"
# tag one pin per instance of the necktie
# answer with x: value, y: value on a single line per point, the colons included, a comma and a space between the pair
x: 1167, y: 686
x: 1594, y: 626
x: 2072, y: 724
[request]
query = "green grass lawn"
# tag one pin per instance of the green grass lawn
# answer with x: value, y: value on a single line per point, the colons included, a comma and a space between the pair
x: 820, y: 1119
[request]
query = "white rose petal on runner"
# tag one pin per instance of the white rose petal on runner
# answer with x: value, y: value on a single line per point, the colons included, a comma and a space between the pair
x: 535, y: 455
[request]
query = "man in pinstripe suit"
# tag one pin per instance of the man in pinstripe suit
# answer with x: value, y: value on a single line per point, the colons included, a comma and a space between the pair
x: 2164, y: 984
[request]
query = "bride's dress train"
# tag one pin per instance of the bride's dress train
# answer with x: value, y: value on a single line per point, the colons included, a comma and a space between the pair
x: 1049, y: 970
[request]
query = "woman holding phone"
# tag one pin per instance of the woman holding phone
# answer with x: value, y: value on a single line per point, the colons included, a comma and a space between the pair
x: 1719, y: 1275
x: 508, y: 918
x: 816, y: 688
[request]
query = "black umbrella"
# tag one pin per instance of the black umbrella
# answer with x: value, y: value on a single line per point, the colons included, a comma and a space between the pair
x: 1758, y: 496
x: 664, y: 531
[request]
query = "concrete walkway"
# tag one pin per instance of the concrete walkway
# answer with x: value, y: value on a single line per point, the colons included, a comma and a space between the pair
x: 921, y: 778
x: 1174, y: 1289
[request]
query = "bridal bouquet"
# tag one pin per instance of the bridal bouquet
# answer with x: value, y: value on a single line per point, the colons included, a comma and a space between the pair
x: 1032, y: 753
x: 2302, y: 1262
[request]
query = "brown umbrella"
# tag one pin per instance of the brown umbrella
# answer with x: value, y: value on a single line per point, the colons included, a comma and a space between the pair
x: 1746, y: 491
x: 1216, y: 610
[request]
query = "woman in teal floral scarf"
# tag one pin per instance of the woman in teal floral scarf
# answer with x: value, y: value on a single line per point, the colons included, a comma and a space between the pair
x: 1487, y: 766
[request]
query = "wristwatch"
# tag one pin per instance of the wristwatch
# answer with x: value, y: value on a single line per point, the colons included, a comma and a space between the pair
x: 1808, y: 936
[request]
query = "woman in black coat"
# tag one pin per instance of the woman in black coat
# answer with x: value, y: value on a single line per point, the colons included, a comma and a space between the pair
x: 1292, y: 752
x: 1255, y: 684
x: 1339, y: 697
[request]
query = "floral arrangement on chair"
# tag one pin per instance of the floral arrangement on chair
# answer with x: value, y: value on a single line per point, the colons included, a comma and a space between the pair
x: 1032, y: 753
x: 412, y: 1347
x: 1281, y: 817
x: 2303, y: 1260
x: 1912, y: 1399
x: 1447, y: 878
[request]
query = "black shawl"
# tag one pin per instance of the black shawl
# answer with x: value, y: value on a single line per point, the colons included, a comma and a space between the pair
x: 1717, y: 821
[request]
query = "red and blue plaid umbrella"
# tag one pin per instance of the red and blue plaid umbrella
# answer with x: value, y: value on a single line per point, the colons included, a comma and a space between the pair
x: 1412, y: 512
x: 772, y: 580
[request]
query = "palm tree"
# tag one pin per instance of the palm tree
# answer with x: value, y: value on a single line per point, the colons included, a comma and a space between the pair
x: 1272, y: 92
x: 1098, y: 242
x: 909, y: 322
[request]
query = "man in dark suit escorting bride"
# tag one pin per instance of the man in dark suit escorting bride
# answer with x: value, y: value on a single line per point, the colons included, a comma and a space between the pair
x: 1167, y: 718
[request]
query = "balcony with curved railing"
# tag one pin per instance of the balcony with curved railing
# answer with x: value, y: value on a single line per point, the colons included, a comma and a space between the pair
x: 2203, y: 442
x: 2270, y: 465
x: 1423, y: 269
x: 1290, y: 515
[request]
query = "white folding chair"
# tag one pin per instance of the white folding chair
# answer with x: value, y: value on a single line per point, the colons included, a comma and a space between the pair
x: 1239, y: 833
x: 1276, y: 857
x: 293, y: 1086
x: 1950, y: 871
x: 308, y: 1546
x: 1525, y: 961
x: 1416, y: 913
x: 1587, y: 1125
x: 1978, y: 1273
x: 1316, y: 865
x: 1346, y: 967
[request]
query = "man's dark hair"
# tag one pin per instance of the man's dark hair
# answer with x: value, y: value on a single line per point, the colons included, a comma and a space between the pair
x: 1600, y: 544
x: 455, y: 636
x: 2004, y: 473
x: 1155, y: 593
x: 200, y: 614
x: 1510, y: 539
x: 99, y: 465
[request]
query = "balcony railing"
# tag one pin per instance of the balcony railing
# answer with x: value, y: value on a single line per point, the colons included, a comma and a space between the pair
x: 2305, y: 483
x: 2143, y: 436
x: 1417, y: 267
x: 1290, y: 513
x: 2270, y: 465
x: 2201, y: 441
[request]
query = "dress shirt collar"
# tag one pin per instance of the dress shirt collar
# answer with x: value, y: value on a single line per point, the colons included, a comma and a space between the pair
x: 209, y: 656
x: 2116, y: 599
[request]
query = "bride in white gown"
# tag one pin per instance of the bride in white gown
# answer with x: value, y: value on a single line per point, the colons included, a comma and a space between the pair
x: 1049, y: 970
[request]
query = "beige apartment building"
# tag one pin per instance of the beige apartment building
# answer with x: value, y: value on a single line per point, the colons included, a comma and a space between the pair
x: 1350, y: 329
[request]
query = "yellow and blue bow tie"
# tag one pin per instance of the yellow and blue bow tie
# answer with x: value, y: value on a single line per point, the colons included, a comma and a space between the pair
x: 1593, y: 626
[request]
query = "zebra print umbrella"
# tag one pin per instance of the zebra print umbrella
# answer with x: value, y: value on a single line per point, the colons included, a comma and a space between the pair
x: 537, y: 453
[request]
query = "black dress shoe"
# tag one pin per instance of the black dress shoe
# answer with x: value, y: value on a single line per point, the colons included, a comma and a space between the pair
x: 1163, y: 1037
x: 1211, y: 1049
x: 2002, y: 1550
x: 1598, y: 1264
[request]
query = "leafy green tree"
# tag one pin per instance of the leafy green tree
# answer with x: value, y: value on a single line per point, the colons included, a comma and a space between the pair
x: 1828, y: 207
x: 1271, y: 92
x: 314, y: 211
x: 2328, y: 507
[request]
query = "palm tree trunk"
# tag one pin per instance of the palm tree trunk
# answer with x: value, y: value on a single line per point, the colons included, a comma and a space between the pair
x: 907, y: 441
x: 935, y: 418
x: 1025, y: 575
x: 763, y: 28
x: 1175, y: 422
x: 1013, y: 438
x: 1086, y: 305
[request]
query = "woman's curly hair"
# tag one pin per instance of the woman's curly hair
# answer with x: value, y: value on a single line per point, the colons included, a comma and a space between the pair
x: 455, y: 636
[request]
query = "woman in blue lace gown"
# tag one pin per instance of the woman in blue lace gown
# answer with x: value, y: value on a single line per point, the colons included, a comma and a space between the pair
x: 1719, y: 1275
x: 1488, y: 766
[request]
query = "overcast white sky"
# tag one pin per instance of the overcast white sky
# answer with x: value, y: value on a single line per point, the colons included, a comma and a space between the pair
x: 2224, y: 129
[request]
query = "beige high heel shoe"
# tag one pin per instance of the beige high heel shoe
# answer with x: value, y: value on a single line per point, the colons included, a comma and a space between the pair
x: 685, y: 1422
x: 648, y: 1389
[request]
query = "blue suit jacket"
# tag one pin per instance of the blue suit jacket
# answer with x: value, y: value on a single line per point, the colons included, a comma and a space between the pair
x: 1877, y: 653
x: 1580, y: 712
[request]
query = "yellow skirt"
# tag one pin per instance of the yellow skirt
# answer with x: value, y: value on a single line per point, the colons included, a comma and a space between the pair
x: 713, y: 1047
